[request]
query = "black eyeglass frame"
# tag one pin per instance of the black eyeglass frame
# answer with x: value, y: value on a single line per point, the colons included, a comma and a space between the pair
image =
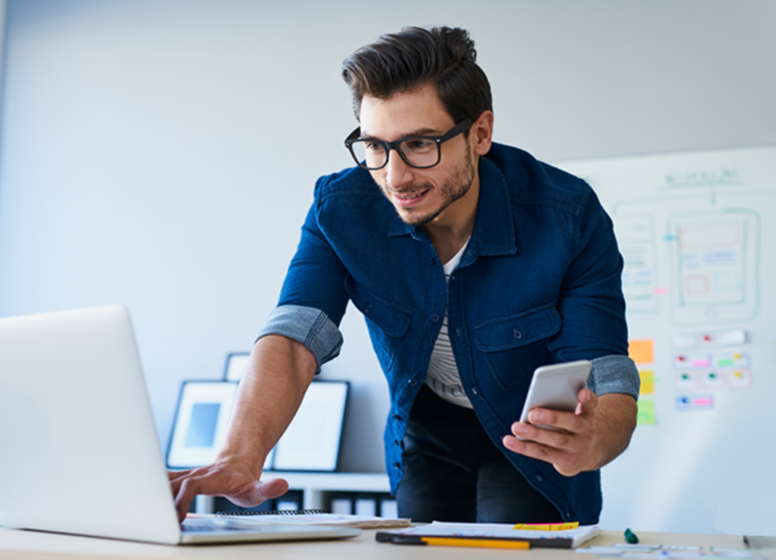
x: 459, y: 128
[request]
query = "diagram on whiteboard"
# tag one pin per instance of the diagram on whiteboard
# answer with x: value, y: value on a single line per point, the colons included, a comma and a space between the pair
x: 636, y: 239
x: 715, y: 258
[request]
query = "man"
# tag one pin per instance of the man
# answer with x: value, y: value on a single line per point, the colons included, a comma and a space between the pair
x: 473, y: 264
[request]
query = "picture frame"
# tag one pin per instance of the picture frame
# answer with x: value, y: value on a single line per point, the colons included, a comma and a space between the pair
x: 201, y: 420
x: 312, y: 441
x: 236, y: 362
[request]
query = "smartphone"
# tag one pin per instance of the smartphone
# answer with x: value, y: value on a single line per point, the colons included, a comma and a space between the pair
x: 556, y: 387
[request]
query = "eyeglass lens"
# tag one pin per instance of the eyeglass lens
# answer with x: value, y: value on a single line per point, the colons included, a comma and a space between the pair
x: 418, y: 152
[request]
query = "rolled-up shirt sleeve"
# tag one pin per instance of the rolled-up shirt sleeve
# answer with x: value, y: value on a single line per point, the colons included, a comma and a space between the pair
x: 310, y: 326
x: 614, y: 374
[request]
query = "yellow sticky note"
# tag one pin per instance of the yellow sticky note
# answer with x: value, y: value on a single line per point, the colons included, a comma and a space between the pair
x: 642, y: 351
x: 547, y: 526
x: 646, y: 412
x: 647, y: 383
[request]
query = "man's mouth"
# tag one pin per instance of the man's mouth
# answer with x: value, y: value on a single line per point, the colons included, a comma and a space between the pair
x: 410, y: 198
x: 410, y: 195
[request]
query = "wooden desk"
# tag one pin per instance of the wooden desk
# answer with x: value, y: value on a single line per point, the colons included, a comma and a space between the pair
x: 25, y: 545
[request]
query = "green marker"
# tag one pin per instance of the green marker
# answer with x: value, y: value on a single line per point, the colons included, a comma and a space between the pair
x: 630, y: 537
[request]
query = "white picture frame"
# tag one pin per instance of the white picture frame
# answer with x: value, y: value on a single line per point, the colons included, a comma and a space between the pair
x: 236, y: 362
x: 201, y: 420
x: 312, y: 440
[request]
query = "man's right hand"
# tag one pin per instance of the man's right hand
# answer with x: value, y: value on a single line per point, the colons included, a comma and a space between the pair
x: 270, y: 391
x: 239, y: 485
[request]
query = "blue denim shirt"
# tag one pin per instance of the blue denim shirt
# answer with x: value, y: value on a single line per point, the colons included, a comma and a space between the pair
x: 539, y: 283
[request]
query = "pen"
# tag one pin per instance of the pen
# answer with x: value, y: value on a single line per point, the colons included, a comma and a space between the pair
x: 460, y: 541
x: 630, y: 537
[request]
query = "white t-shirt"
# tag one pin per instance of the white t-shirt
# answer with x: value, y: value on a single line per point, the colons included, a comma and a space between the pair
x: 443, y: 377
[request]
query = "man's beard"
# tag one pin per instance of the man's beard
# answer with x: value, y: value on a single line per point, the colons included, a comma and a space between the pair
x: 451, y: 191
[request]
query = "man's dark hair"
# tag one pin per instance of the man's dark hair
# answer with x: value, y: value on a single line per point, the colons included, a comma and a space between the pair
x: 442, y: 57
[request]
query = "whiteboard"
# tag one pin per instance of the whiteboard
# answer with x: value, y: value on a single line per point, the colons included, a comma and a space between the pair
x: 697, y: 232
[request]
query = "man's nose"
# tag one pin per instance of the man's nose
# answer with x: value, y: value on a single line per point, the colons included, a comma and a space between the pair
x: 397, y: 173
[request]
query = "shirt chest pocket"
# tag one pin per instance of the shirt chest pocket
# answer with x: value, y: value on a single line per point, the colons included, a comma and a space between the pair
x: 387, y: 322
x: 514, y: 346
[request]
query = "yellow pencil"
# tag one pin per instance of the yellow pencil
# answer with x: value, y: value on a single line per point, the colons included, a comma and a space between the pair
x: 477, y: 543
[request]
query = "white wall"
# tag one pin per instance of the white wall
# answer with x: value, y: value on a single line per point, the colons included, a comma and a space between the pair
x: 3, y: 5
x: 162, y: 153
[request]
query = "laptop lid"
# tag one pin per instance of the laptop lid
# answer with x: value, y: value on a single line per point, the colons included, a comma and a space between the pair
x: 77, y: 440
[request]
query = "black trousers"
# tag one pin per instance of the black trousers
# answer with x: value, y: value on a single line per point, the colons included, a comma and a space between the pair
x: 453, y: 472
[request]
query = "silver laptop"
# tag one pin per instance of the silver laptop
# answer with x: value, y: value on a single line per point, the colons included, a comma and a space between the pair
x: 78, y: 447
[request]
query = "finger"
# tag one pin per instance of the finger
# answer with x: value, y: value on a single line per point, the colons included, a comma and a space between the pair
x: 565, y: 463
x: 558, y: 439
x: 187, y: 488
x: 566, y: 421
x: 174, y: 475
x: 531, y: 449
x: 176, y: 478
x: 175, y: 485
x: 183, y: 499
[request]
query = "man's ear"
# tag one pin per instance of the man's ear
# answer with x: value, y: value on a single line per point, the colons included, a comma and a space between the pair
x: 481, y: 133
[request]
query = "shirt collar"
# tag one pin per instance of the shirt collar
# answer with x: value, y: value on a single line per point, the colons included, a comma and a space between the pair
x: 494, y: 227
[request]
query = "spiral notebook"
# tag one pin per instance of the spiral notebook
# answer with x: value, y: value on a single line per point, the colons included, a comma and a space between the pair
x: 312, y: 517
x: 569, y: 538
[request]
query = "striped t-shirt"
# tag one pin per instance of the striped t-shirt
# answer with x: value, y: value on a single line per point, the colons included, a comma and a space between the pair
x: 443, y: 377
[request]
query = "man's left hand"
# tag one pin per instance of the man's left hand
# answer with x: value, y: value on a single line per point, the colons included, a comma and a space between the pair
x: 571, y: 447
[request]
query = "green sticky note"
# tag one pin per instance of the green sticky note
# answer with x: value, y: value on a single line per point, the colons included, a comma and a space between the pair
x: 646, y: 413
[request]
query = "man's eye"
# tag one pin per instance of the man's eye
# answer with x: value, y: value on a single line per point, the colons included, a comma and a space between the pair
x: 373, y: 147
x: 419, y: 145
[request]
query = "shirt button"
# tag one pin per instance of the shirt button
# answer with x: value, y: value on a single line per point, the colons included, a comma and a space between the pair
x: 435, y: 318
x: 412, y: 382
x: 368, y: 309
x: 517, y: 333
x: 475, y: 391
x: 539, y: 478
x: 397, y: 465
x: 397, y: 417
x: 458, y: 331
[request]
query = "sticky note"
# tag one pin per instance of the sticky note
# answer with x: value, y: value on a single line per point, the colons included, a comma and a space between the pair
x: 646, y: 412
x: 740, y: 379
x: 694, y: 402
x: 647, y: 383
x: 641, y: 351
x: 547, y: 526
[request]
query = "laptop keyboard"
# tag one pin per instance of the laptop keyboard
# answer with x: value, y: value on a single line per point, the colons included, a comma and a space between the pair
x: 209, y: 528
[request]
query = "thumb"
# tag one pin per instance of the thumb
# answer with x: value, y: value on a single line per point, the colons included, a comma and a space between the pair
x: 263, y: 490
x: 587, y: 401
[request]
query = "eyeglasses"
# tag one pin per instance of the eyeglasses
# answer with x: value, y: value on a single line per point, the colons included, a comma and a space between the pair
x: 416, y: 151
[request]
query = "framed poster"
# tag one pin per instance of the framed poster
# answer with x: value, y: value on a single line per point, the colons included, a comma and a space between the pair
x: 312, y: 440
x: 201, y: 419
x: 236, y: 362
